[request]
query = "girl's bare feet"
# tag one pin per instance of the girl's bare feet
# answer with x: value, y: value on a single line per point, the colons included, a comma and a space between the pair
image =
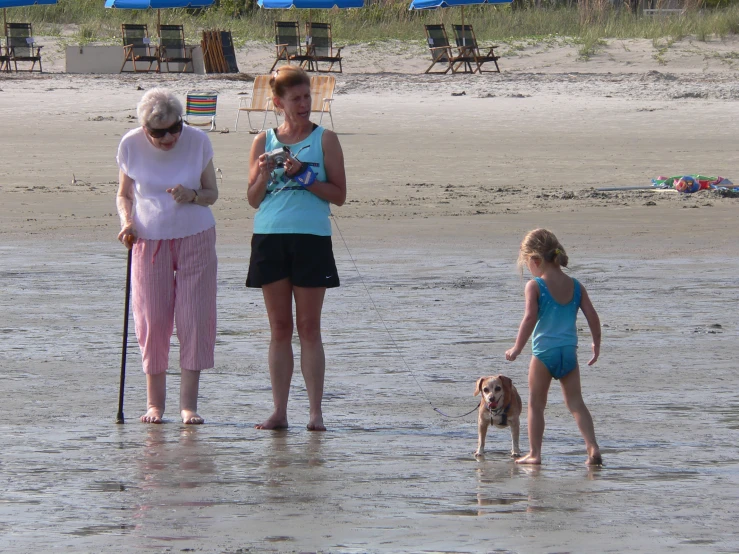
x: 594, y: 458
x: 152, y: 415
x: 273, y: 422
x: 529, y: 459
x: 191, y: 418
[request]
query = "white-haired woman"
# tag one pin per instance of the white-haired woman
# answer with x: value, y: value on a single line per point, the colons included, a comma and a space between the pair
x: 166, y: 183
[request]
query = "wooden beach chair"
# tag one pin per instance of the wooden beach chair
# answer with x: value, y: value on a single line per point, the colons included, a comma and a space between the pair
x: 442, y: 54
x: 260, y: 101
x: 20, y: 46
x: 319, y: 47
x: 287, y: 43
x: 467, y: 44
x: 4, y: 59
x: 199, y: 105
x: 172, y: 48
x: 137, y: 48
x: 322, y: 95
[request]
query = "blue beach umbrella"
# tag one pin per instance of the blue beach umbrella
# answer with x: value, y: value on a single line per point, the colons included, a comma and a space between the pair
x: 4, y: 4
x: 156, y: 5
x: 433, y: 4
x: 309, y: 4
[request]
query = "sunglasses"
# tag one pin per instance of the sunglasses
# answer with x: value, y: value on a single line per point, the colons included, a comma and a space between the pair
x: 161, y: 133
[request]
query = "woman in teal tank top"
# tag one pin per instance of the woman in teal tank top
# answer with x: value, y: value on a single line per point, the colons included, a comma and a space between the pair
x: 552, y: 302
x: 296, y: 171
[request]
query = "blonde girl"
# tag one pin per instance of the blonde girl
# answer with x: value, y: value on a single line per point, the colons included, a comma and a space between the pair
x: 552, y: 302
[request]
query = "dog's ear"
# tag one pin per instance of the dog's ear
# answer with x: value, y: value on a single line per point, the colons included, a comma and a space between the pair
x: 478, y: 386
x: 507, y: 389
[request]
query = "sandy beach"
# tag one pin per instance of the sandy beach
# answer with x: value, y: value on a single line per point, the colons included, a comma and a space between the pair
x: 445, y: 175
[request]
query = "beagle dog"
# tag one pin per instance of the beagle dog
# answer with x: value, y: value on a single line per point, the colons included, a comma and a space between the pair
x: 500, y: 406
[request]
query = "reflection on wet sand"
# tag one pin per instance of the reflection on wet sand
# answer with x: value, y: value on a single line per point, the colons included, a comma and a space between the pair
x: 389, y: 469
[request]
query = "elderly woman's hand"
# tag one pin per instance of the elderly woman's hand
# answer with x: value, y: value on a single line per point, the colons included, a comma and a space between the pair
x: 182, y: 195
x: 127, y: 236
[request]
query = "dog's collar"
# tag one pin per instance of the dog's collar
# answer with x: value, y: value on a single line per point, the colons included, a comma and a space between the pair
x: 500, y: 412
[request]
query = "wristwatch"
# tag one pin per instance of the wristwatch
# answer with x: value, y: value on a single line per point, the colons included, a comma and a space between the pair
x: 194, y: 198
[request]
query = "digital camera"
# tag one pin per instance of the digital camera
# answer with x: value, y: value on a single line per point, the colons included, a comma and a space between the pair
x: 278, y: 156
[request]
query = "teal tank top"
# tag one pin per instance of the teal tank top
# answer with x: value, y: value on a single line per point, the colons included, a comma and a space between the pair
x: 555, y: 324
x: 287, y: 207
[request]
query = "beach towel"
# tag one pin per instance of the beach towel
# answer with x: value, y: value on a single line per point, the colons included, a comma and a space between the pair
x: 692, y: 183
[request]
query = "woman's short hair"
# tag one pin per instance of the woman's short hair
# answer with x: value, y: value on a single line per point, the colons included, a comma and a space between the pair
x: 158, y: 107
x: 286, y: 77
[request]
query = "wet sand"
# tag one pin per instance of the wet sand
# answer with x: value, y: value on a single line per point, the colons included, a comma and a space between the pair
x: 429, y: 302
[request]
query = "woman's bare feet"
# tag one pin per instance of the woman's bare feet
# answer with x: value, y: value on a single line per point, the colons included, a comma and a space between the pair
x: 529, y: 459
x: 152, y: 415
x: 273, y: 422
x: 316, y: 423
x: 191, y: 418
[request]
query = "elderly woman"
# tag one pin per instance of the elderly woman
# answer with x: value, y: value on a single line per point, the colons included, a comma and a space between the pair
x: 166, y: 183
x: 291, y: 251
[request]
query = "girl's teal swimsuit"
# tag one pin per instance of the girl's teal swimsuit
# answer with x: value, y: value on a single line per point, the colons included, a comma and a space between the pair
x: 555, y: 335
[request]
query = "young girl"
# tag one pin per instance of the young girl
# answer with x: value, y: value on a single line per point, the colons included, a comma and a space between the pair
x: 552, y: 302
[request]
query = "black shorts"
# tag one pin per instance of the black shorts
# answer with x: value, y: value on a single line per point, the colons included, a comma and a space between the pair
x: 307, y: 260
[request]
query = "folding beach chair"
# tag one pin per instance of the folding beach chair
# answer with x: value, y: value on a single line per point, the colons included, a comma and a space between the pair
x: 287, y: 43
x: 260, y: 101
x: 137, y: 48
x: 4, y: 59
x: 172, y: 48
x: 442, y: 54
x: 319, y: 47
x: 322, y: 95
x: 20, y: 46
x: 201, y: 104
x: 467, y: 44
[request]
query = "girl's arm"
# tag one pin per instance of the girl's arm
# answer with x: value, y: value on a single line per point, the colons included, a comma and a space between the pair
x: 259, y: 171
x: 593, y: 322
x: 531, y: 312
x: 333, y: 189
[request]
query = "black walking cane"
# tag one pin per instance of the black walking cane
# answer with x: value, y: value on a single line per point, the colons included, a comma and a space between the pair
x: 119, y: 418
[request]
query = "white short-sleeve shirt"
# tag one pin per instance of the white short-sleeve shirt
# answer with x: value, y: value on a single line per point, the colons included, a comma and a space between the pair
x: 156, y: 215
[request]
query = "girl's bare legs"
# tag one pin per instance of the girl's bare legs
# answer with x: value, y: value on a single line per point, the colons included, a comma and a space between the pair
x: 278, y: 301
x: 539, y: 381
x: 308, y: 306
x: 574, y: 402
x: 156, y: 393
x: 189, y: 386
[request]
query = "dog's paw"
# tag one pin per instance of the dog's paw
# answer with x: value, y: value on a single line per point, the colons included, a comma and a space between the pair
x: 478, y: 454
x: 515, y: 454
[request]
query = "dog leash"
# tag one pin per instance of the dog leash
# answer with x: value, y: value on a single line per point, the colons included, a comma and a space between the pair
x: 395, y: 344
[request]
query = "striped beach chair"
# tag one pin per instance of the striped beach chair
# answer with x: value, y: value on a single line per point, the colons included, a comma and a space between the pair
x: 201, y: 104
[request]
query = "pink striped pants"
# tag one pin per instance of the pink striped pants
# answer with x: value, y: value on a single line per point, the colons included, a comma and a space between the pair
x: 174, y: 281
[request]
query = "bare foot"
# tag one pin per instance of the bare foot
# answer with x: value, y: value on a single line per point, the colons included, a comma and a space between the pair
x: 152, y: 415
x: 594, y: 459
x: 273, y: 422
x: 191, y: 418
x: 316, y: 424
x: 529, y: 460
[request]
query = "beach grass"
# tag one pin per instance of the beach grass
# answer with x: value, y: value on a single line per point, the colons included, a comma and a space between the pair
x: 86, y: 21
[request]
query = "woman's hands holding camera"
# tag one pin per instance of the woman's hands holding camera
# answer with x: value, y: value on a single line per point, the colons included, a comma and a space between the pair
x: 266, y: 165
